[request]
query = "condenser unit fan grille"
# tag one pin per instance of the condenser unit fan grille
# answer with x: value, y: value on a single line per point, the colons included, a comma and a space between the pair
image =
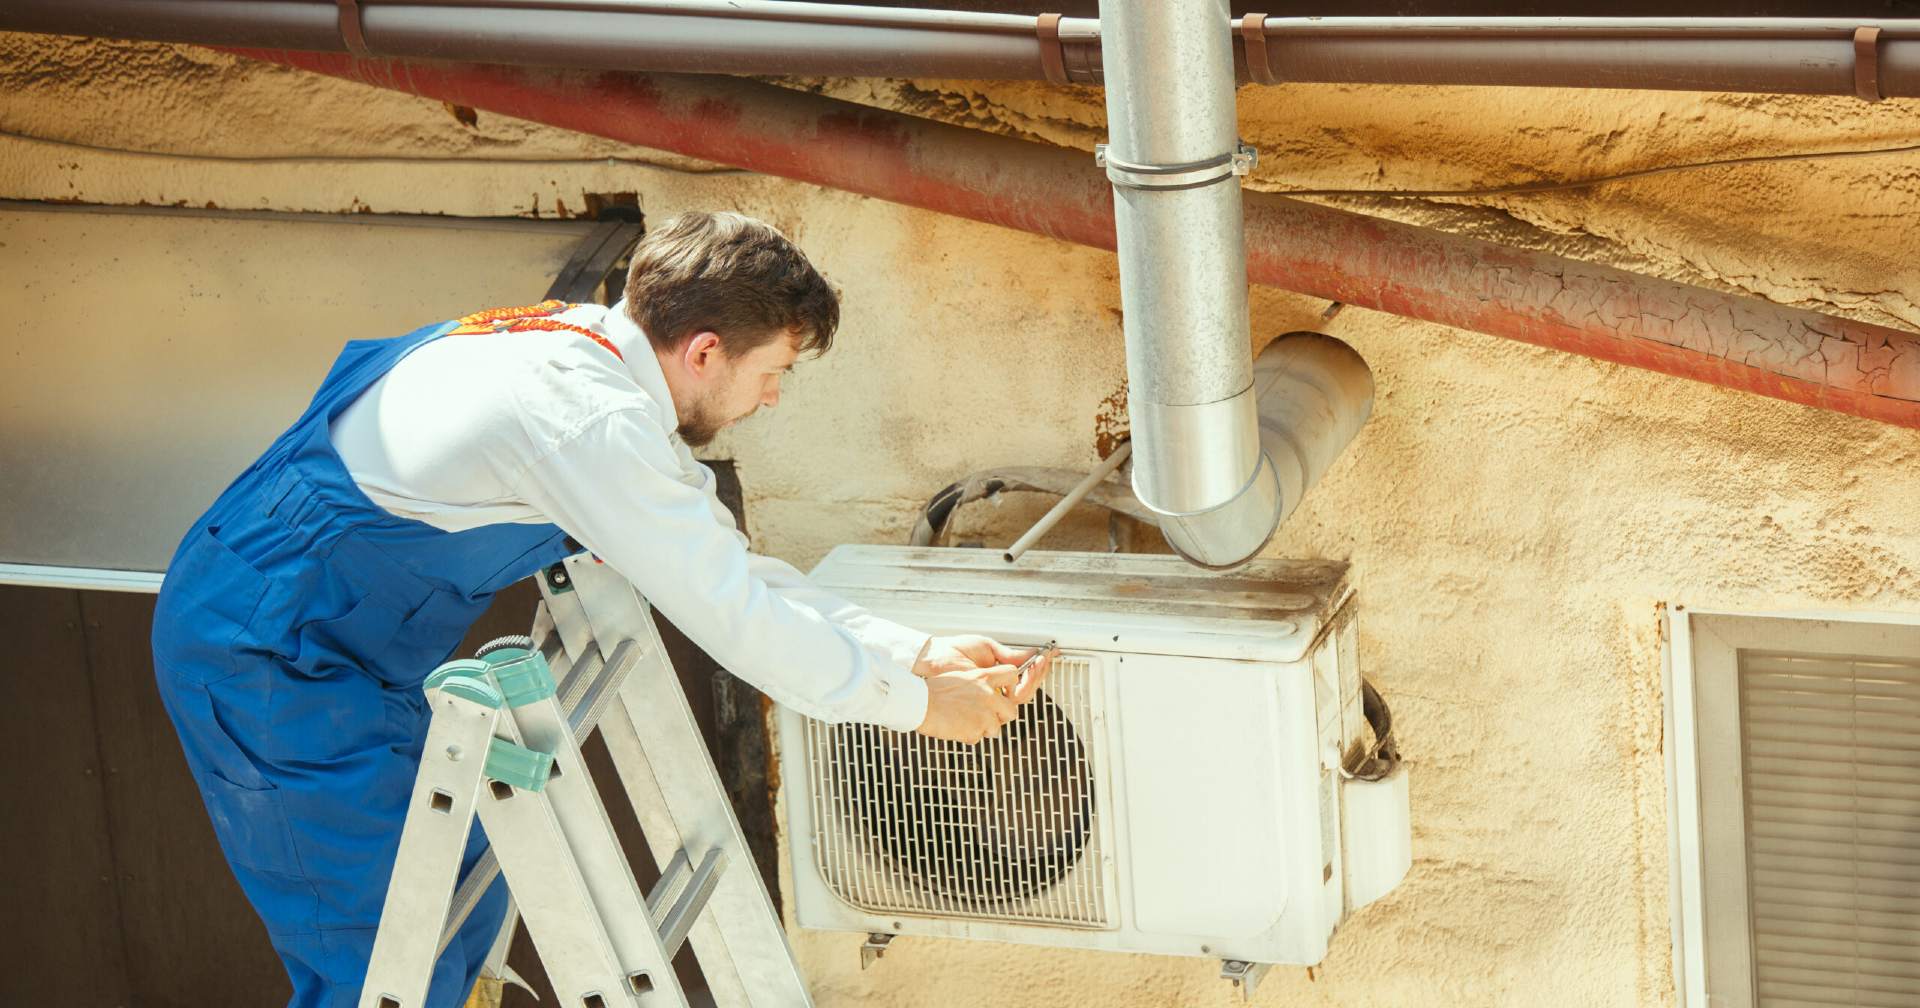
x: 1002, y: 831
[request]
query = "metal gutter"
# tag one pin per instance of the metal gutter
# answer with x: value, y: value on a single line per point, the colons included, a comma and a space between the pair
x: 1871, y: 58
x: 1737, y: 342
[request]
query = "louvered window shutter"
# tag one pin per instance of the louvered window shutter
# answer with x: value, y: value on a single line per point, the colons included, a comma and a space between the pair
x: 1831, y: 766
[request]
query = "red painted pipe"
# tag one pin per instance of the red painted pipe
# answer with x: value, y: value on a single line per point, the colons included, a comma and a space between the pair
x: 1692, y: 332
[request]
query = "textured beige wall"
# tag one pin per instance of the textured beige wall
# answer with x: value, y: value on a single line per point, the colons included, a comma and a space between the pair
x: 1514, y: 515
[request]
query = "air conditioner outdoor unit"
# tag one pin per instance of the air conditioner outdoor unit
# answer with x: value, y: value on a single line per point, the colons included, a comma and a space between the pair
x: 1176, y: 788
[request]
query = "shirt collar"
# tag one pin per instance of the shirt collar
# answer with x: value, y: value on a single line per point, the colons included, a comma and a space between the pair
x: 637, y: 350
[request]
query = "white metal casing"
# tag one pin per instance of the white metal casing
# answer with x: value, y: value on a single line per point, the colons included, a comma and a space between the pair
x: 1217, y: 710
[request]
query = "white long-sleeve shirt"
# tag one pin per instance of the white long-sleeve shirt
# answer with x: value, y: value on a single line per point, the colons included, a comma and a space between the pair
x: 550, y: 427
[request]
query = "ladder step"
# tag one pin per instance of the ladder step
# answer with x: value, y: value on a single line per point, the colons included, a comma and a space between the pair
x: 684, y: 891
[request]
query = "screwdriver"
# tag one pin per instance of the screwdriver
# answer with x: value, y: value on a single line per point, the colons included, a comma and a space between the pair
x: 1049, y: 650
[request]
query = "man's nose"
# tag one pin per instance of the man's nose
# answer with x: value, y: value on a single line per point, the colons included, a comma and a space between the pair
x: 772, y: 398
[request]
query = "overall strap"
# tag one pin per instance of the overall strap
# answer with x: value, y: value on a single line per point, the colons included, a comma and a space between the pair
x: 531, y: 318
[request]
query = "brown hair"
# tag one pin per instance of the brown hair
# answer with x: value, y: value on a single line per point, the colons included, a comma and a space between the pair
x: 732, y: 275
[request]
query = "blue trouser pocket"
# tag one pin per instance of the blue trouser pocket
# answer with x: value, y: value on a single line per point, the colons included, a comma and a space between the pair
x: 206, y: 603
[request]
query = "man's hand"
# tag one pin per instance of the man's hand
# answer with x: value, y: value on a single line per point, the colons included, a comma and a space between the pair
x: 967, y: 706
x: 968, y: 652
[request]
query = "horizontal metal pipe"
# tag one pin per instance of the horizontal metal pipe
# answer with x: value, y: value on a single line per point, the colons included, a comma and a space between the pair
x: 1725, y: 64
x: 683, y: 44
x: 1764, y: 55
x: 770, y: 10
x: 1693, y: 332
x: 701, y: 37
x: 1579, y: 27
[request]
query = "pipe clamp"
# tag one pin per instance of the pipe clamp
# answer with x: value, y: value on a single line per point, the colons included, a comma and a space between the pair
x: 1191, y: 175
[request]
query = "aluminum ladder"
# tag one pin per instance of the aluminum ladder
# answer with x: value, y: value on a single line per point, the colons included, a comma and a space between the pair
x: 504, y: 745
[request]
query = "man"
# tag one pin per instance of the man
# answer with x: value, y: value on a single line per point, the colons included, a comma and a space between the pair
x: 303, y: 610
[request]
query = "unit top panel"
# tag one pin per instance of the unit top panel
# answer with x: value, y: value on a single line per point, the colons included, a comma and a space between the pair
x: 1269, y: 610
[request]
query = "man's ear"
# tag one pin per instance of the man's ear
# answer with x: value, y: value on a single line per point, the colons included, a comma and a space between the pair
x: 702, y: 352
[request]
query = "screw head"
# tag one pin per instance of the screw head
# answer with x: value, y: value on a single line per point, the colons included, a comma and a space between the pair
x: 454, y: 753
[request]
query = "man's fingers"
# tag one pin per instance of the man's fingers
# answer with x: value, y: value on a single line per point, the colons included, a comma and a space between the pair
x: 975, y: 648
x: 1030, y: 682
x: 1010, y: 656
x: 1001, y: 677
x: 985, y: 652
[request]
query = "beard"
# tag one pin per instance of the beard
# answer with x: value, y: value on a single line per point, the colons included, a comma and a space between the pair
x: 704, y: 422
x: 698, y: 432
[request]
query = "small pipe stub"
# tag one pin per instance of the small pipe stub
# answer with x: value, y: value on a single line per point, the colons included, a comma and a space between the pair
x: 1866, y: 63
x: 1253, y: 32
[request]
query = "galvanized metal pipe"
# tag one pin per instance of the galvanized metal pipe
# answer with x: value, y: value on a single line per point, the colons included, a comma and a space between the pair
x: 1171, y: 157
x: 1693, y: 332
x: 1766, y: 55
x: 1313, y: 394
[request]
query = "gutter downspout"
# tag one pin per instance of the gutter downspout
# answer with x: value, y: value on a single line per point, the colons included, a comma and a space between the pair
x: 1871, y: 58
x: 1730, y: 340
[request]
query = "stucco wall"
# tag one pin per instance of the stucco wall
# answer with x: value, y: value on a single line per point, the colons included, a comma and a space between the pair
x: 1514, y: 516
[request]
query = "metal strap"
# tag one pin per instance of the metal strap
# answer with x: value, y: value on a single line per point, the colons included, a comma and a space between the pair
x: 1253, y: 31
x: 1192, y: 175
x: 1866, y: 63
x: 350, y: 32
x: 1053, y: 59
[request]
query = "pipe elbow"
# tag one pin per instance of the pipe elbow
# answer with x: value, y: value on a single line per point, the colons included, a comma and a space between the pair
x: 1312, y: 394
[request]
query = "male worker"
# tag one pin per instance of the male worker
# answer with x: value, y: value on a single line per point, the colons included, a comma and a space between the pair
x: 303, y: 610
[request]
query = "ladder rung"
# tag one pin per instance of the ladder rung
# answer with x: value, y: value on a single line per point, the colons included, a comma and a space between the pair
x: 688, y: 890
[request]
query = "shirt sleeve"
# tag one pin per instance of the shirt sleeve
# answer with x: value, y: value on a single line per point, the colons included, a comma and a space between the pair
x: 620, y: 486
x: 890, y: 643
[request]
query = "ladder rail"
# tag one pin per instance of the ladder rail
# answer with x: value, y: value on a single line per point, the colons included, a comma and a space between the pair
x: 446, y: 793
x: 554, y: 900
x: 598, y: 664
x: 677, y: 793
x: 588, y: 832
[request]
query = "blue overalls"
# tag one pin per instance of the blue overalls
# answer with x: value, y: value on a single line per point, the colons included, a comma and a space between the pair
x: 291, y: 636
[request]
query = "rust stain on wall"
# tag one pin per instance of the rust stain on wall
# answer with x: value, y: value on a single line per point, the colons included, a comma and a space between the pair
x: 465, y: 115
x: 1111, y: 425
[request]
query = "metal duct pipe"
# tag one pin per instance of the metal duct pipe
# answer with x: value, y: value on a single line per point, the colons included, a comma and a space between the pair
x: 1737, y: 342
x: 1173, y: 157
x: 1868, y: 57
x: 1313, y: 393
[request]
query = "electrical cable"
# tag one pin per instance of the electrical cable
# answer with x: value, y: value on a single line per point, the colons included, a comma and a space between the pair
x: 1540, y: 187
